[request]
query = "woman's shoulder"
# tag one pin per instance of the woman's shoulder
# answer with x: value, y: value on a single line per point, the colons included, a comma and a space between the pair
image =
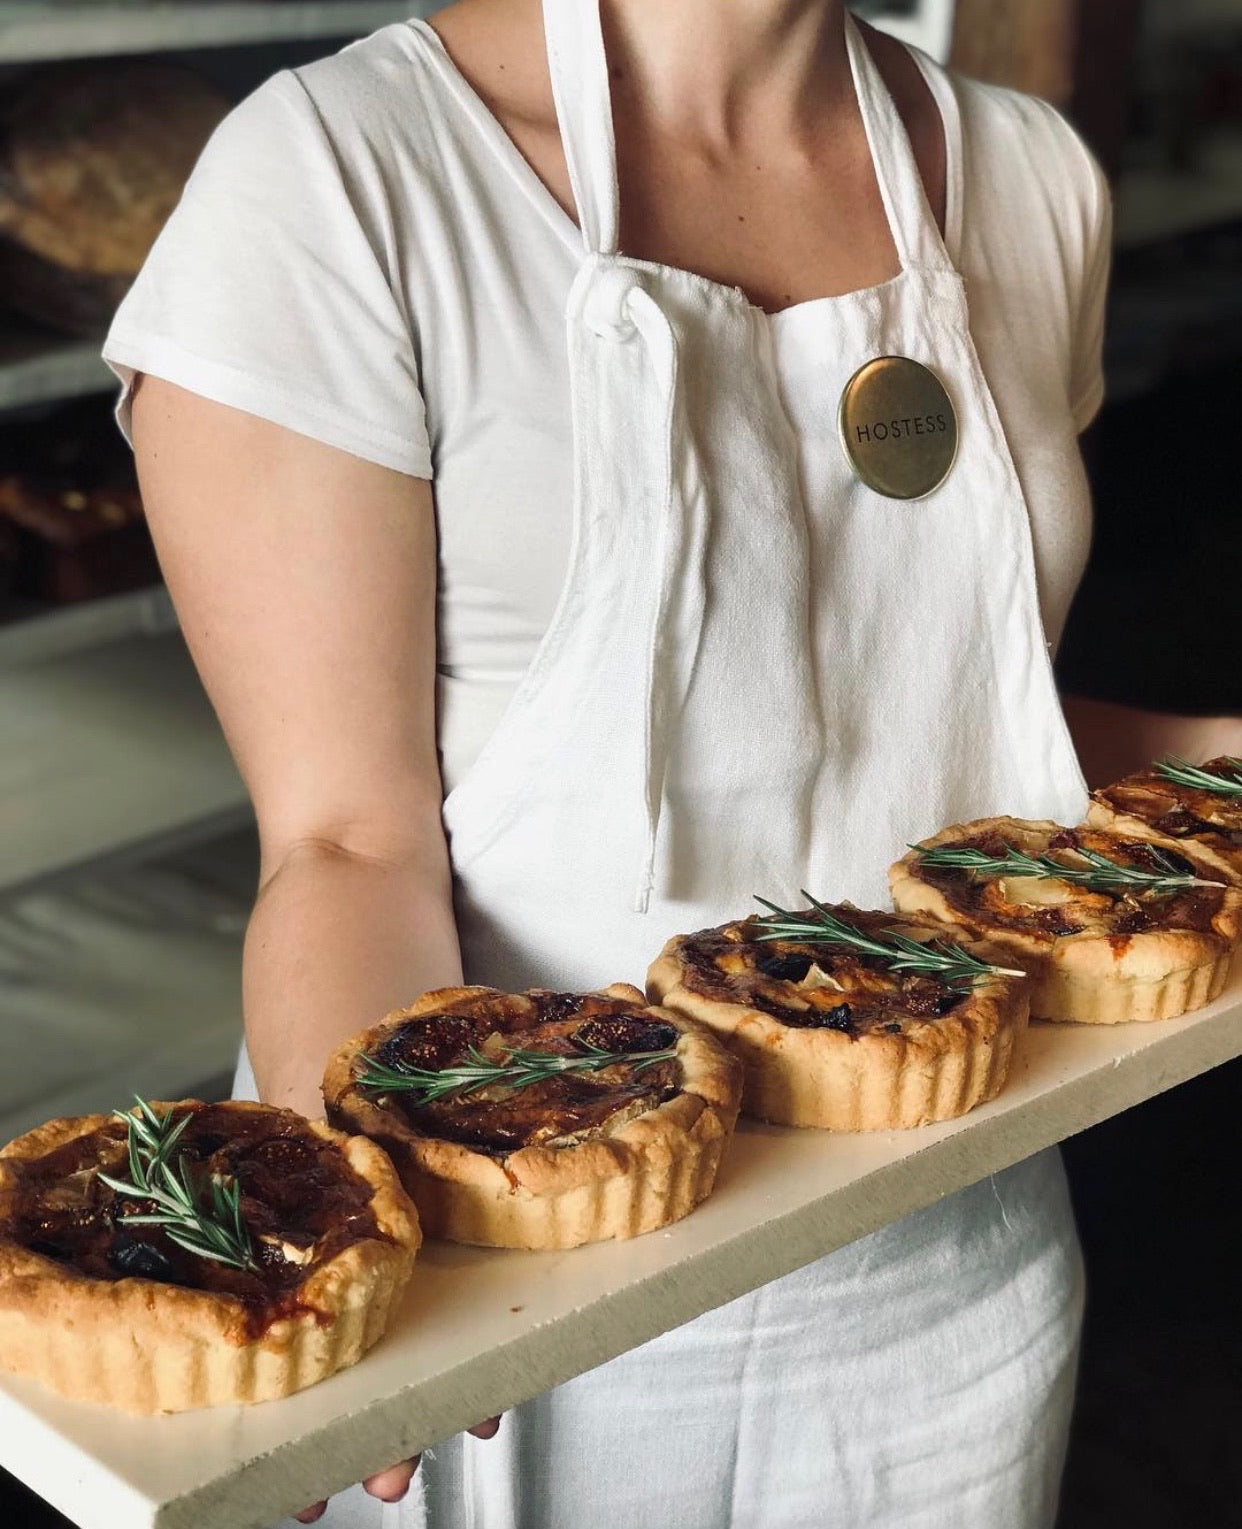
x: 387, y: 87
x: 1032, y: 199
x: 1001, y: 121
x: 379, y: 101
x: 1024, y: 152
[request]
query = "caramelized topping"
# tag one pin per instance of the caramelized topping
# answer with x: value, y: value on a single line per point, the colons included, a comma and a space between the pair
x: 1180, y: 811
x: 1180, y: 824
x: 435, y: 1041
x: 809, y: 986
x: 625, y: 1033
x: 300, y: 1199
x: 785, y: 965
x: 555, y: 1111
x: 839, y: 1017
x: 1057, y: 909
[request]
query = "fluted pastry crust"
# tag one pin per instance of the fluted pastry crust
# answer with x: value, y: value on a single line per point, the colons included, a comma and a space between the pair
x: 646, y: 1164
x: 148, y: 1346
x: 1093, y: 957
x: 899, y: 1064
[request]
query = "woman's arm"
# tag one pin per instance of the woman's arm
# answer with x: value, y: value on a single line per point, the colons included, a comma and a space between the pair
x: 1113, y: 740
x: 305, y: 580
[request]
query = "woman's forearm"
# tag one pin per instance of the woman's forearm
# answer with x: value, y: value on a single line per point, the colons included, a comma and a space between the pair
x: 1113, y: 740
x: 335, y: 941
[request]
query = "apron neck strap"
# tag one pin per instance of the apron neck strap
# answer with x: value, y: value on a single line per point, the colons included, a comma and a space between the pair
x: 579, y: 70
x: 580, y: 90
x: 910, y: 220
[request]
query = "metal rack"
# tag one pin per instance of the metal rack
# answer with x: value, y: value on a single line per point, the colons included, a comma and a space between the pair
x: 32, y: 30
x: 112, y: 764
x: 37, y: 365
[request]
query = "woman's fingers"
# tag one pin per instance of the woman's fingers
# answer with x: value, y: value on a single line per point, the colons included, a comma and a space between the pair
x: 394, y: 1483
x: 391, y: 1485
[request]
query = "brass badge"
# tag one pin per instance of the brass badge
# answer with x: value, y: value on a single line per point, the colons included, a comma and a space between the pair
x: 898, y: 427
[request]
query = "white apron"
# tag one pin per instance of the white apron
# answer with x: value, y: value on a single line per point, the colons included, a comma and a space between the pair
x: 761, y: 676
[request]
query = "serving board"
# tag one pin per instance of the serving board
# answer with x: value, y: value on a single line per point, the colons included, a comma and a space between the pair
x: 482, y: 1330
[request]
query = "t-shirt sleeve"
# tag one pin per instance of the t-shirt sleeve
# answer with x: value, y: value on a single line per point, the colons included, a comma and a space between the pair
x: 1087, y: 340
x: 265, y: 291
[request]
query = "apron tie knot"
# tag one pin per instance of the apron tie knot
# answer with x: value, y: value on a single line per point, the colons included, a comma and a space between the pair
x: 607, y: 309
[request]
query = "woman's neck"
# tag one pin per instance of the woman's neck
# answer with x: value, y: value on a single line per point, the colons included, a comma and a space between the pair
x: 741, y: 151
x: 720, y: 73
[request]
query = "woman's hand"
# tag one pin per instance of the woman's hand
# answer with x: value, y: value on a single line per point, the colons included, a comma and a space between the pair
x: 1114, y: 740
x: 392, y: 1485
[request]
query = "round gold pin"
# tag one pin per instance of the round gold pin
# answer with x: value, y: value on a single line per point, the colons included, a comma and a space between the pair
x: 898, y: 427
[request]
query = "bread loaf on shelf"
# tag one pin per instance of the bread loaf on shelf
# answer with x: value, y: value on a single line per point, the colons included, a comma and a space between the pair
x: 93, y: 158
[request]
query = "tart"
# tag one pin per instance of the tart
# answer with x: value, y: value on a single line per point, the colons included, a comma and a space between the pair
x: 598, y: 1150
x: 1202, y: 819
x: 1097, y: 953
x: 104, y: 1308
x: 836, y: 1037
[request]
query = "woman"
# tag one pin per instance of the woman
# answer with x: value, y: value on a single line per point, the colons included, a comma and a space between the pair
x: 602, y: 301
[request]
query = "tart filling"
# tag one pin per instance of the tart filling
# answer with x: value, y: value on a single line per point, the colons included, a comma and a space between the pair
x: 842, y: 1039
x: 1129, y: 933
x: 300, y: 1200
x: 512, y: 1125
x: 326, y: 1236
x: 811, y: 986
x: 1205, y: 822
x: 553, y: 1111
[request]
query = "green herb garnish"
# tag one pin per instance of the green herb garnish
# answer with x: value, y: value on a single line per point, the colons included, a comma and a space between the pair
x: 519, y: 1069
x: 201, y: 1216
x: 1182, y: 773
x: 1100, y: 874
x: 955, y: 967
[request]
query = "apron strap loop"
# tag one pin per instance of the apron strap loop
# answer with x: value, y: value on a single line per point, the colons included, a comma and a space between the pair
x: 910, y: 220
x: 579, y: 70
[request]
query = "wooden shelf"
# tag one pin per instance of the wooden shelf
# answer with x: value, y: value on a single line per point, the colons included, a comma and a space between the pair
x: 51, y: 632
x: 32, y: 30
x: 484, y: 1329
x: 1190, y: 18
x: 111, y: 753
x: 38, y: 365
x: 122, y: 983
x: 1155, y: 204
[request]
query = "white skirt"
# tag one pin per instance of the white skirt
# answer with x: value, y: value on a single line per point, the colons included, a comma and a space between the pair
x: 921, y: 1378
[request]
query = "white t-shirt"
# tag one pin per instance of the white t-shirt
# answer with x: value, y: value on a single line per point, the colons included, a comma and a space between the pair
x: 362, y: 255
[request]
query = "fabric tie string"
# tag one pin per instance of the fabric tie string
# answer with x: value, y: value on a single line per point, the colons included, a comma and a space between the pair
x: 657, y: 335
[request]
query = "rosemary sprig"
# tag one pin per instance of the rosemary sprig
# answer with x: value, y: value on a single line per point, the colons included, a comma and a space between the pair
x: 1100, y: 874
x: 955, y: 967
x: 1182, y: 773
x: 203, y: 1218
x: 519, y: 1069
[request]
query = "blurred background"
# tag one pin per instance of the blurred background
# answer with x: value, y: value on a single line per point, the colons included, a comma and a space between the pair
x: 127, y: 856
